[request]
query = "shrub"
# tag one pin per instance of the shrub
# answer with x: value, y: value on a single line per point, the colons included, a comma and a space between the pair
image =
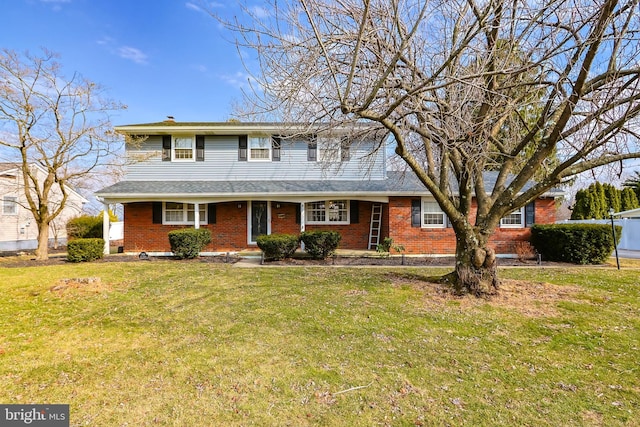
x: 575, y: 243
x: 187, y: 243
x: 320, y: 244
x: 278, y: 246
x: 85, y: 227
x: 79, y: 250
x: 387, y: 244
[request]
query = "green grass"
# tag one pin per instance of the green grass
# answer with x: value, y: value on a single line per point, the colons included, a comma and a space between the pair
x: 187, y: 343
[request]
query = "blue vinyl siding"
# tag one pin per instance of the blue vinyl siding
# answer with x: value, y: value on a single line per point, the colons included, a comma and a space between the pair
x: 221, y: 163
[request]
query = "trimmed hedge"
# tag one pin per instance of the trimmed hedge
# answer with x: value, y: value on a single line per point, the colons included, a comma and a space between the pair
x: 85, y: 227
x: 278, y: 246
x: 575, y: 243
x: 187, y: 243
x: 79, y: 250
x: 320, y: 244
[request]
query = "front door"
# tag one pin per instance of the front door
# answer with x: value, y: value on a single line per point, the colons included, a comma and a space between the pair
x: 259, y: 220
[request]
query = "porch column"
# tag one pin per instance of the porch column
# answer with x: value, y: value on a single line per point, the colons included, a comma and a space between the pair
x: 302, y: 217
x: 196, y: 215
x: 105, y: 227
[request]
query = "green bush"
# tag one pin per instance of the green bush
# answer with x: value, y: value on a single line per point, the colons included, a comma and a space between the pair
x: 320, y: 244
x: 575, y: 243
x: 278, y: 246
x: 187, y: 243
x: 79, y: 250
x: 85, y: 227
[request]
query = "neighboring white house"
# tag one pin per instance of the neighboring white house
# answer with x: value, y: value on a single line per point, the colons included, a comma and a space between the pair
x: 18, y: 230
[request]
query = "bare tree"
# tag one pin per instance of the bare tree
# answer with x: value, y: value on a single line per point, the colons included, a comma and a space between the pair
x: 61, y: 124
x: 538, y: 91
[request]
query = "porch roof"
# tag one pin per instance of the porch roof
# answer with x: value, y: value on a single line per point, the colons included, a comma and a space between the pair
x: 396, y: 184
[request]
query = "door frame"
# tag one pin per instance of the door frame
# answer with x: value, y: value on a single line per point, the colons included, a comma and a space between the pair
x: 249, y: 218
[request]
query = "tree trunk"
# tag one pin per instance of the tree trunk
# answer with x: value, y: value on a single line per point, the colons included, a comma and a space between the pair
x: 42, y: 252
x: 476, y: 270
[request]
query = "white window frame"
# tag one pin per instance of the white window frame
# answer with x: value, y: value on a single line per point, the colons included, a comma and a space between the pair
x: 326, y: 212
x: 174, y: 147
x: 10, y: 201
x: 511, y: 224
x: 254, y: 140
x: 429, y: 206
x: 329, y: 149
x: 186, y: 208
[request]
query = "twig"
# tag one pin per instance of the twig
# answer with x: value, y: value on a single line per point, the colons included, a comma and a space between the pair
x: 352, y: 389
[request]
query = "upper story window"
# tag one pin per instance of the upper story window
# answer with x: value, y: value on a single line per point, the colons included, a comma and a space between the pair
x: 183, y: 213
x: 327, y: 212
x: 332, y: 150
x: 259, y: 148
x: 10, y: 205
x: 182, y: 148
x: 514, y: 220
x: 432, y: 215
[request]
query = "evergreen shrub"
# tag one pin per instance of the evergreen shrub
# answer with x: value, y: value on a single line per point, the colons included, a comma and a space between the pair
x: 278, y: 246
x: 320, y: 244
x: 187, y: 243
x: 574, y: 243
x: 79, y: 250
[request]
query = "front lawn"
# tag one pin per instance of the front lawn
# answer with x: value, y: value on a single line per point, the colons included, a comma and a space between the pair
x: 188, y: 343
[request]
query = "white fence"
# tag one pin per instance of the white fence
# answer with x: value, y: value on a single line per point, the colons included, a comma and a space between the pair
x: 116, y: 230
x: 630, y: 239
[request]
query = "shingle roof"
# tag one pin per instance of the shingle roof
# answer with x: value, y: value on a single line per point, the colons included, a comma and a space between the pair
x: 397, y: 183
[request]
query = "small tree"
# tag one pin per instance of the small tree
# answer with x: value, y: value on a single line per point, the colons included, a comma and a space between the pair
x: 59, y: 123
x: 629, y: 200
x: 634, y: 184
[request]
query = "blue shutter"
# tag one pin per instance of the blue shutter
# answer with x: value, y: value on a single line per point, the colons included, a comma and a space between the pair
x: 530, y: 214
x: 242, y: 148
x: 312, y: 150
x: 276, y: 146
x: 157, y: 213
x: 199, y: 148
x: 166, y: 148
x: 416, y: 209
x: 355, y: 212
x: 211, y: 213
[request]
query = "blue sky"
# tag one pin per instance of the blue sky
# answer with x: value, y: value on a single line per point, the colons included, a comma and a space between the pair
x: 160, y: 58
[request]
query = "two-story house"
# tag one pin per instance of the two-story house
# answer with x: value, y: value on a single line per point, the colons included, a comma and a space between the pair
x: 241, y: 180
x: 18, y: 230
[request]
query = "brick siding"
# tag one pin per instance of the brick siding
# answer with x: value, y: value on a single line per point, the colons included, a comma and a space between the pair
x: 230, y: 230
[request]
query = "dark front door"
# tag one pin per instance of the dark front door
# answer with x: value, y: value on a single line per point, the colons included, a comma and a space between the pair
x: 259, y: 217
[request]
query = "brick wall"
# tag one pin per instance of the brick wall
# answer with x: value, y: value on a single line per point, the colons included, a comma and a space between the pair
x: 229, y: 233
x: 417, y: 240
x: 230, y: 230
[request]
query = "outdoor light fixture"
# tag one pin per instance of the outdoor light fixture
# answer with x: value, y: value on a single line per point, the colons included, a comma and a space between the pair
x: 239, y: 205
x: 615, y: 240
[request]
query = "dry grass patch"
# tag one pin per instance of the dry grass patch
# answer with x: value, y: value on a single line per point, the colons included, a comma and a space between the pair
x: 534, y: 299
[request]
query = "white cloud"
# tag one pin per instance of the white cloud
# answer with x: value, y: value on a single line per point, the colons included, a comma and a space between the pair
x: 259, y: 12
x: 126, y: 52
x: 203, y: 7
x: 239, y: 80
x: 133, y: 54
